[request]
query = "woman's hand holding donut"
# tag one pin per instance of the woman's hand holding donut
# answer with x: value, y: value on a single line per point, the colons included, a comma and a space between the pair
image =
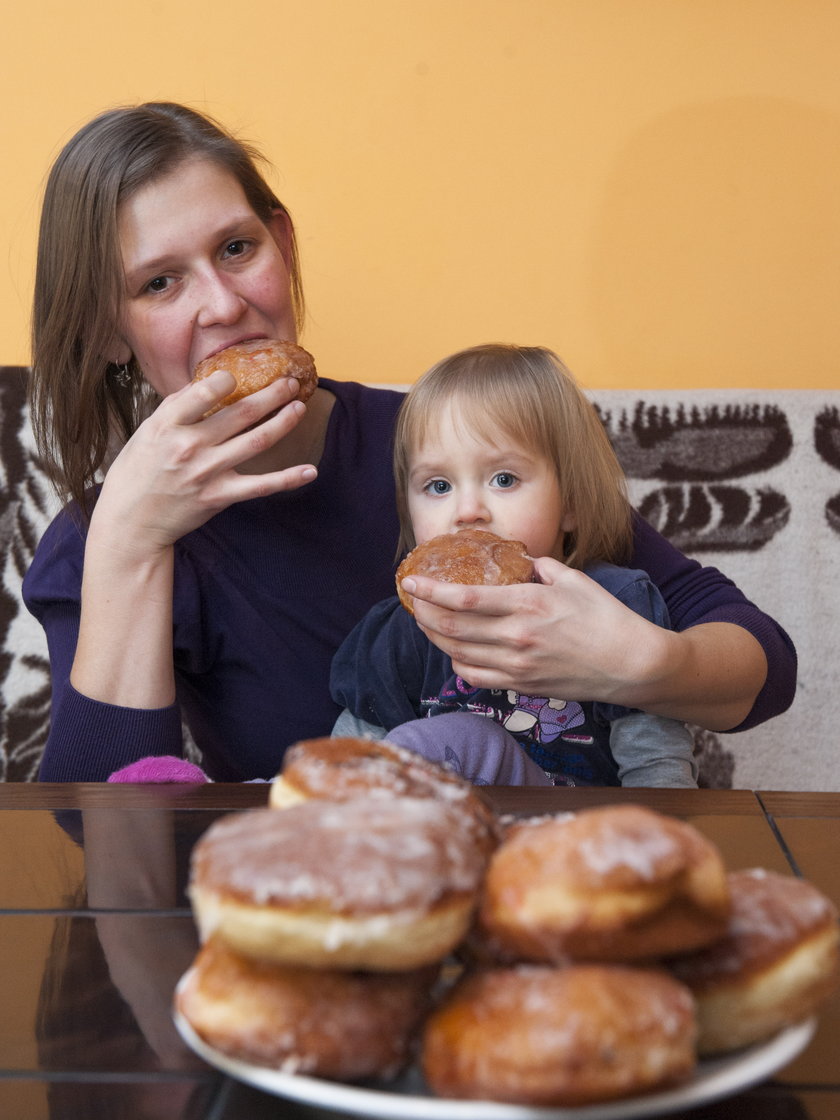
x: 564, y: 636
x: 179, y: 469
x: 569, y: 638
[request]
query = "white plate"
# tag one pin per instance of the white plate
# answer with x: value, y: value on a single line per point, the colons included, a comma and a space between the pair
x: 407, y: 1098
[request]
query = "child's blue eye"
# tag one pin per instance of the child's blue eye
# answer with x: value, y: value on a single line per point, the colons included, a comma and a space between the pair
x: 439, y: 486
x: 504, y: 480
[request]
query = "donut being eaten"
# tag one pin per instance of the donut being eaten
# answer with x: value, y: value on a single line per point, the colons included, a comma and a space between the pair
x: 257, y: 363
x: 470, y: 556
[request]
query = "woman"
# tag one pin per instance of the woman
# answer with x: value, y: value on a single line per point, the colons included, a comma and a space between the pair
x: 223, y: 560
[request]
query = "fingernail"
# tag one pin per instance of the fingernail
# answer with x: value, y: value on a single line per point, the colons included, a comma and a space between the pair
x: 309, y: 474
x: 409, y: 585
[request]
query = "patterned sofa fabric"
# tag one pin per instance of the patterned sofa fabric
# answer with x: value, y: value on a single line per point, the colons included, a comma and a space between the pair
x: 27, y: 504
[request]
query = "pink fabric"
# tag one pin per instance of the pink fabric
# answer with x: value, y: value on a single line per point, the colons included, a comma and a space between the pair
x: 160, y: 769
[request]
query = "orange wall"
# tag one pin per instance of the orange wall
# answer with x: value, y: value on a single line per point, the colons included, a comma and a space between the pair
x: 651, y: 187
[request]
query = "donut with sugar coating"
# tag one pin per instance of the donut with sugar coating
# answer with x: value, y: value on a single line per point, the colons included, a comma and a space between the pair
x: 361, y: 884
x: 540, y: 1036
x: 257, y: 363
x: 470, y: 556
x: 327, y: 1023
x: 776, y: 963
x: 615, y: 883
x: 336, y: 769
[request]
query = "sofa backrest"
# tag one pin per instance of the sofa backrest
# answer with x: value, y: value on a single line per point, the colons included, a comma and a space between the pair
x: 27, y: 504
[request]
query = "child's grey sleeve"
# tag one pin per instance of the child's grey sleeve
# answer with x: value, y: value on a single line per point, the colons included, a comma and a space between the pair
x: 653, y: 751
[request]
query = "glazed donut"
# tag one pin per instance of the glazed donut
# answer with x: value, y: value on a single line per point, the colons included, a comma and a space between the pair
x: 257, y: 363
x: 539, y: 1036
x: 616, y: 883
x: 367, y: 883
x: 343, y: 767
x: 328, y: 1023
x: 470, y: 556
x: 776, y: 963
x: 339, y: 768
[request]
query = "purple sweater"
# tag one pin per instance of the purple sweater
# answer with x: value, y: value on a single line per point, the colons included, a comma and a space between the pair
x: 266, y: 591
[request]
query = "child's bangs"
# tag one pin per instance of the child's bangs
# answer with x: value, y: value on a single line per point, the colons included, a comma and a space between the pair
x: 496, y: 408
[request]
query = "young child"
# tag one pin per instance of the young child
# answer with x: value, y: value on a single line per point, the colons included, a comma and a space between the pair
x: 502, y: 438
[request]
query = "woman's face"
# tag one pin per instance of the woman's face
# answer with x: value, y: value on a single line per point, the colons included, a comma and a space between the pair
x: 202, y: 272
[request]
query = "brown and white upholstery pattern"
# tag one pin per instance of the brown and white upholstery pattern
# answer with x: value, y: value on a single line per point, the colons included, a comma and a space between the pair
x: 749, y: 481
x: 27, y: 504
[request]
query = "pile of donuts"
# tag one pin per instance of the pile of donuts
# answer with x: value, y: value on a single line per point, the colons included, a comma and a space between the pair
x: 377, y: 914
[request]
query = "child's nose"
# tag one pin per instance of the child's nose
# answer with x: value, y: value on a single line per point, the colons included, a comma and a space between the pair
x: 471, y: 510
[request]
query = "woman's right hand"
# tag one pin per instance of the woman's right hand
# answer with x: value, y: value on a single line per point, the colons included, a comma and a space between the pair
x: 179, y: 468
x: 177, y: 471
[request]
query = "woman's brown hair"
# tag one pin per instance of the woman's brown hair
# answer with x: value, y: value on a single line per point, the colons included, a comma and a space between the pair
x: 79, y: 408
x: 529, y: 394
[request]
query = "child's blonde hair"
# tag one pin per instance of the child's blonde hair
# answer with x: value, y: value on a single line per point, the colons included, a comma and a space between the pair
x: 529, y: 394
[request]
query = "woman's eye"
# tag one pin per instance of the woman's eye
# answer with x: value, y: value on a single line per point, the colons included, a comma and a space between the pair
x: 159, y: 284
x: 438, y: 486
x: 235, y: 248
x: 504, y: 480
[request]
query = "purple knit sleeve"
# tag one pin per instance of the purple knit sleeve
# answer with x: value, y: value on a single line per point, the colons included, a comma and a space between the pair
x: 88, y: 739
x: 696, y: 594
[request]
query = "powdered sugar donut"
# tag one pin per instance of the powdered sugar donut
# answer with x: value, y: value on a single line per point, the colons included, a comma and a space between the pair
x: 327, y: 1023
x: 470, y: 556
x: 366, y: 883
x: 776, y: 963
x: 336, y: 769
x: 537, y: 1035
x: 258, y: 362
x: 616, y: 883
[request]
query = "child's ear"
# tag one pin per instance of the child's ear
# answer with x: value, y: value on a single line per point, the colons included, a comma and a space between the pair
x: 568, y: 522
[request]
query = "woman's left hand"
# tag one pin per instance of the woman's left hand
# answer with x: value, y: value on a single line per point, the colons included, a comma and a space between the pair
x: 564, y: 636
x: 568, y: 638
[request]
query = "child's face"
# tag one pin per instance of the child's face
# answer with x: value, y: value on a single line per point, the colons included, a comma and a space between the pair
x: 458, y: 480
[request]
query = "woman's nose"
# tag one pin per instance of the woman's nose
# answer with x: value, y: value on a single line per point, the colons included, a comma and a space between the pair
x: 218, y: 302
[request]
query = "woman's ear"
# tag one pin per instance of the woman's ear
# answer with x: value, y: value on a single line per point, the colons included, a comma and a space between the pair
x: 568, y: 522
x: 280, y: 227
x: 116, y: 350
x: 120, y: 352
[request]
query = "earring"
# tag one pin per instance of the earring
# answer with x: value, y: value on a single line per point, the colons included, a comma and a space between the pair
x: 122, y: 375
